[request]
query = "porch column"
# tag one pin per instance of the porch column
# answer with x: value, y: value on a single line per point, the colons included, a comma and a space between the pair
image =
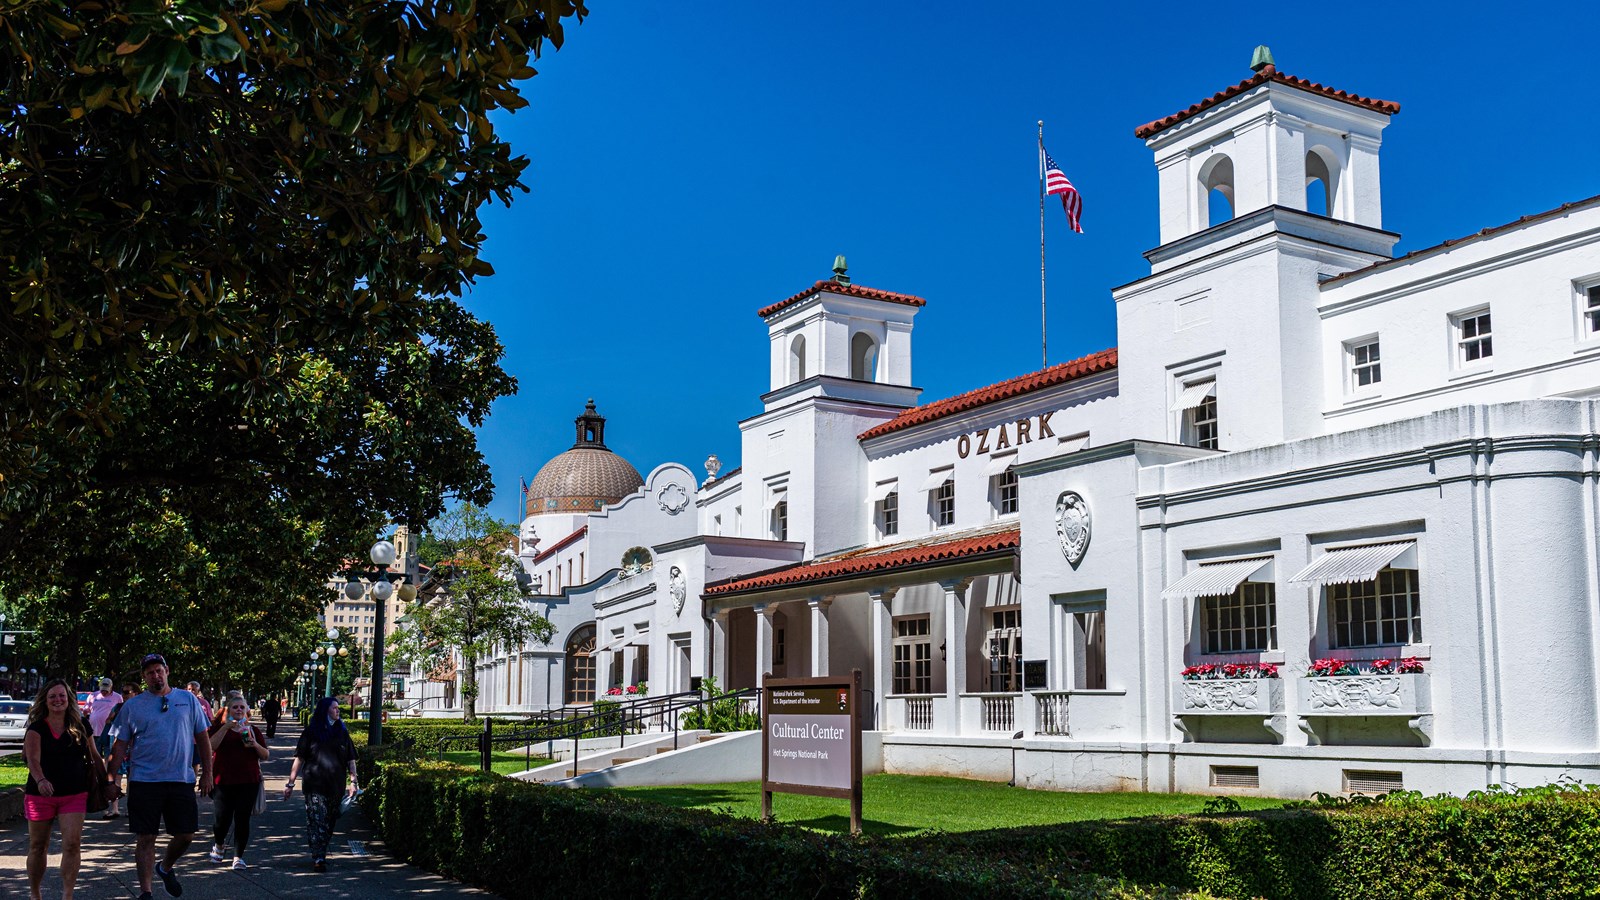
x: 719, y: 647
x: 764, y: 613
x: 630, y: 654
x: 955, y: 643
x: 882, y: 650
x: 819, y: 634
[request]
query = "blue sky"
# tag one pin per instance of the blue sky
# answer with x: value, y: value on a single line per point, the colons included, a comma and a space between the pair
x: 694, y: 162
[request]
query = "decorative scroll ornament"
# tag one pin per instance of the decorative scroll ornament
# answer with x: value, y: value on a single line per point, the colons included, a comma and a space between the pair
x: 673, y: 498
x: 1358, y: 692
x: 680, y: 591
x: 1072, y: 526
x: 1224, y: 695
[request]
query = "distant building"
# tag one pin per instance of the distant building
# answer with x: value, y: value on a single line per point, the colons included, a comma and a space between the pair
x: 1301, y: 450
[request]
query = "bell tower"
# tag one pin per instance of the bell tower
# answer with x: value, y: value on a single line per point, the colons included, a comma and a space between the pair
x: 1270, y: 140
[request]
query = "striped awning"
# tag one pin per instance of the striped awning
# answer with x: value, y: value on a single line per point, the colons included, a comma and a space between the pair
x: 1219, y: 579
x: 938, y: 477
x: 1351, y: 564
x: 1193, y: 395
x: 998, y: 464
x: 883, y: 489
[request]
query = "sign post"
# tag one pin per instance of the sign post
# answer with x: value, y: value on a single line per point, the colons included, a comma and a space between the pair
x: 811, y: 740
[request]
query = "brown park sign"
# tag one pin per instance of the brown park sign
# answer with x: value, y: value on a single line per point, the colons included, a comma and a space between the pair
x: 811, y: 740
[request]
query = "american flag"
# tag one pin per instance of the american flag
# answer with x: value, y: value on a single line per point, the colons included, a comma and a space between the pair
x: 1055, y: 182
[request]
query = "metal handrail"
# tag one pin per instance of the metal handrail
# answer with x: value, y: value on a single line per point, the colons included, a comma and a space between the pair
x: 619, y: 722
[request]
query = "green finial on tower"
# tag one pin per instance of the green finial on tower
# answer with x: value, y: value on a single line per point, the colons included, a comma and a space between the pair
x: 839, y: 276
x: 1262, y: 58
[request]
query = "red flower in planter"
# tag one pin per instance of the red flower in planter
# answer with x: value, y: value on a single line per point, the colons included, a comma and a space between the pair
x: 633, y: 689
x: 1194, y: 673
x: 1410, y: 666
x: 1327, y: 668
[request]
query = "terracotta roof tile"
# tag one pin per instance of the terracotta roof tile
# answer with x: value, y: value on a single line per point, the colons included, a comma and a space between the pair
x: 1383, y: 263
x: 880, y: 559
x: 1059, y: 373
x: 849, y: 290
x: 1267, y: 73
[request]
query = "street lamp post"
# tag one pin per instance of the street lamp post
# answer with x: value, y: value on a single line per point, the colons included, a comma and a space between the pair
x: 331, y: 651
x: 380, y: 582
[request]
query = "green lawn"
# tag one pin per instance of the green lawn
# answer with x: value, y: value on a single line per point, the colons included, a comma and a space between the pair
x: 906, y: 804
x: 13, y: 771
x: 502, y: 762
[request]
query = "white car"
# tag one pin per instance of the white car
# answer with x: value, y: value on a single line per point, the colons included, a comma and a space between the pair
x: 13, y: 720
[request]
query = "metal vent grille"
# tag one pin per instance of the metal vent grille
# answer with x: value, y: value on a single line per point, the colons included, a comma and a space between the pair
x: 1235, y: 776
x: 1357, y: 781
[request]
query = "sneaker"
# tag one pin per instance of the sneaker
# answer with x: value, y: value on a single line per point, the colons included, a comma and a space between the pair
x: 239, y: 864
x: 216, y: 854
x: 169, y: 881
x: 319, y: 866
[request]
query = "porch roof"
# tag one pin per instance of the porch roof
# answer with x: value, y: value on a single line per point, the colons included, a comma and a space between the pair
x: 932, y: 550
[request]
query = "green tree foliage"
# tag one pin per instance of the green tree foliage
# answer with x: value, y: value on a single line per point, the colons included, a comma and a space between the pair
x: 235, y: 232
x: 473, y: 600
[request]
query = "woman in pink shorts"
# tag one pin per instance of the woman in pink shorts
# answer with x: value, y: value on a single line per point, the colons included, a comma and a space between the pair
x: 57, y: 748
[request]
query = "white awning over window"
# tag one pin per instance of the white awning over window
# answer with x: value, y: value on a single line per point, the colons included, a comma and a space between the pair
x: 1219, y: 579
x: 1351, y: 564
x: 883, y: 489
x: 617, y: 643
x: 938, y: 477
x: 1194, y: 394
x: 779, y: 492
x: 998, y: 464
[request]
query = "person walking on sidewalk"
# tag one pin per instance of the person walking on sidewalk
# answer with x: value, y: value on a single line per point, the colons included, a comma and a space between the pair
x: 240, y: 750
x: 103, y: 706
x: 162, y: 732
x: 58, y: 749
x: 326, y: 753
x: 269, y: 712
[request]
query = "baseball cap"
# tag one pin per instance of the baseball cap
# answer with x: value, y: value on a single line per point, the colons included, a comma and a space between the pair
x: 151, y: 660
x: 105, y: 682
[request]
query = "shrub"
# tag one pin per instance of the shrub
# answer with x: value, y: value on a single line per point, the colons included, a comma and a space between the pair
x: 719, y: 716
x: 478, y: 827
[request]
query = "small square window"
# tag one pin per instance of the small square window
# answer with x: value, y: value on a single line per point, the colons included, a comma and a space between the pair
x: 1365, y: 369
x: 889, y: 514
x: 943, y: 501
x: 1474, y: 337
x: 1591, y: 310
x: 1004, y: 492
x: 1202, y: 423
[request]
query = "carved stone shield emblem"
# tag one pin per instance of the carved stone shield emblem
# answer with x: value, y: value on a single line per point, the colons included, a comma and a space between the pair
x: 673, y: 498
x: 1072, y: 526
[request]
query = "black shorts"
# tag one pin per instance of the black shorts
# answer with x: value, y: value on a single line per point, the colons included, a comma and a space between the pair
x: 149, y: 802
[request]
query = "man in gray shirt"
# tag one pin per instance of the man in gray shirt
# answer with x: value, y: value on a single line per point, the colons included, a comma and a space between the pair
x: 162, y: 734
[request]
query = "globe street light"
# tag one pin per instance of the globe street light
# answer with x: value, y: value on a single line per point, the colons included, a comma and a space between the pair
x: 380, y: 582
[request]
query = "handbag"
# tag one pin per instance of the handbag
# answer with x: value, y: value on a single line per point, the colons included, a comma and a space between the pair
x: 261, y: 798
x: 99, y: 792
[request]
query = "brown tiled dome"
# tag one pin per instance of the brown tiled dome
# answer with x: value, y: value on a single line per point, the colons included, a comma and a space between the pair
x: 585, y: 478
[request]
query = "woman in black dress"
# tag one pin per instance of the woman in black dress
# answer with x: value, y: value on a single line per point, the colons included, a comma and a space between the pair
x: 326, y: 753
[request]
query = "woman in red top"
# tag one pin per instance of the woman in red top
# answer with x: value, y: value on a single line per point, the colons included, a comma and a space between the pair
x: 240, y: 749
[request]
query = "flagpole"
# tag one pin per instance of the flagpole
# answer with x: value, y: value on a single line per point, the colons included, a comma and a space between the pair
x: 1044, y: 355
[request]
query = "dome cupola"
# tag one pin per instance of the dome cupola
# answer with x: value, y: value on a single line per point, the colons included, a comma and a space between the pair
x: 586, y: 477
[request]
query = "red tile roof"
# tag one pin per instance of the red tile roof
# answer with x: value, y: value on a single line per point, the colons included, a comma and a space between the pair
x: 1059, y: 373
x: 849, y: 290
x: 1382, y: 263
x: 1267, y: 73
x: 862, y: 562
x: 562, y: 544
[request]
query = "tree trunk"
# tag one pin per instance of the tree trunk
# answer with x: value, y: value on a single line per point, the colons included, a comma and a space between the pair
x: 469, y: 687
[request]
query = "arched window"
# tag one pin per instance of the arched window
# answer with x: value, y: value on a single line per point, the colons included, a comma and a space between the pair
x: 797, y: 359
x: 580, y: 666
x: 863, y: 357
x: 1216, y: 183
x: 1321, y: 182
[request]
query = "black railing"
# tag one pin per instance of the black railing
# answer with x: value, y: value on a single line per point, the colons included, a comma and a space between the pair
x: 619, y: 720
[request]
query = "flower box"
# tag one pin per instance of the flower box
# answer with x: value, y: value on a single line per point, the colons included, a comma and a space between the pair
x: 1364, y: 695
x: 1227, y: 697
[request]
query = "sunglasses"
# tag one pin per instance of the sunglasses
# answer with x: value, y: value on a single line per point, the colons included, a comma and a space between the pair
x: 164, y: 703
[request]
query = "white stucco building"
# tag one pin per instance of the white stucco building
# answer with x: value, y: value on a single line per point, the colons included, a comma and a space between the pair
x: 1301, y: 449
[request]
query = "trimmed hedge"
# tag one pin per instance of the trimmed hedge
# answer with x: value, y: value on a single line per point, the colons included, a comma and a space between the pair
x: 528, y: 840
x: 1542, y: 843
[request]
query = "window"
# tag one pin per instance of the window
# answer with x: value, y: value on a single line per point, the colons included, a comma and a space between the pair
x: 797, y: 359
x: 1197, y: 402
x: 780, y: 520
x: 1244, y: 621
x: 1474, y: 340
x: 913, y: 656
x: 889, y: 514
x: 1591, y: 310
x: 942, y: 499
x: 863, y: 357
x: 1003, y: 647
x: 1374, y: 613
x: 1364, y: 366
x: 1202, y: 423
x: 580, y: 666
x: 1004, y: 492
x: 1089, y: 650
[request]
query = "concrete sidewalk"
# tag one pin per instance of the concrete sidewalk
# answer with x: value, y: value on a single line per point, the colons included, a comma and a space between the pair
x: 280, y: 865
